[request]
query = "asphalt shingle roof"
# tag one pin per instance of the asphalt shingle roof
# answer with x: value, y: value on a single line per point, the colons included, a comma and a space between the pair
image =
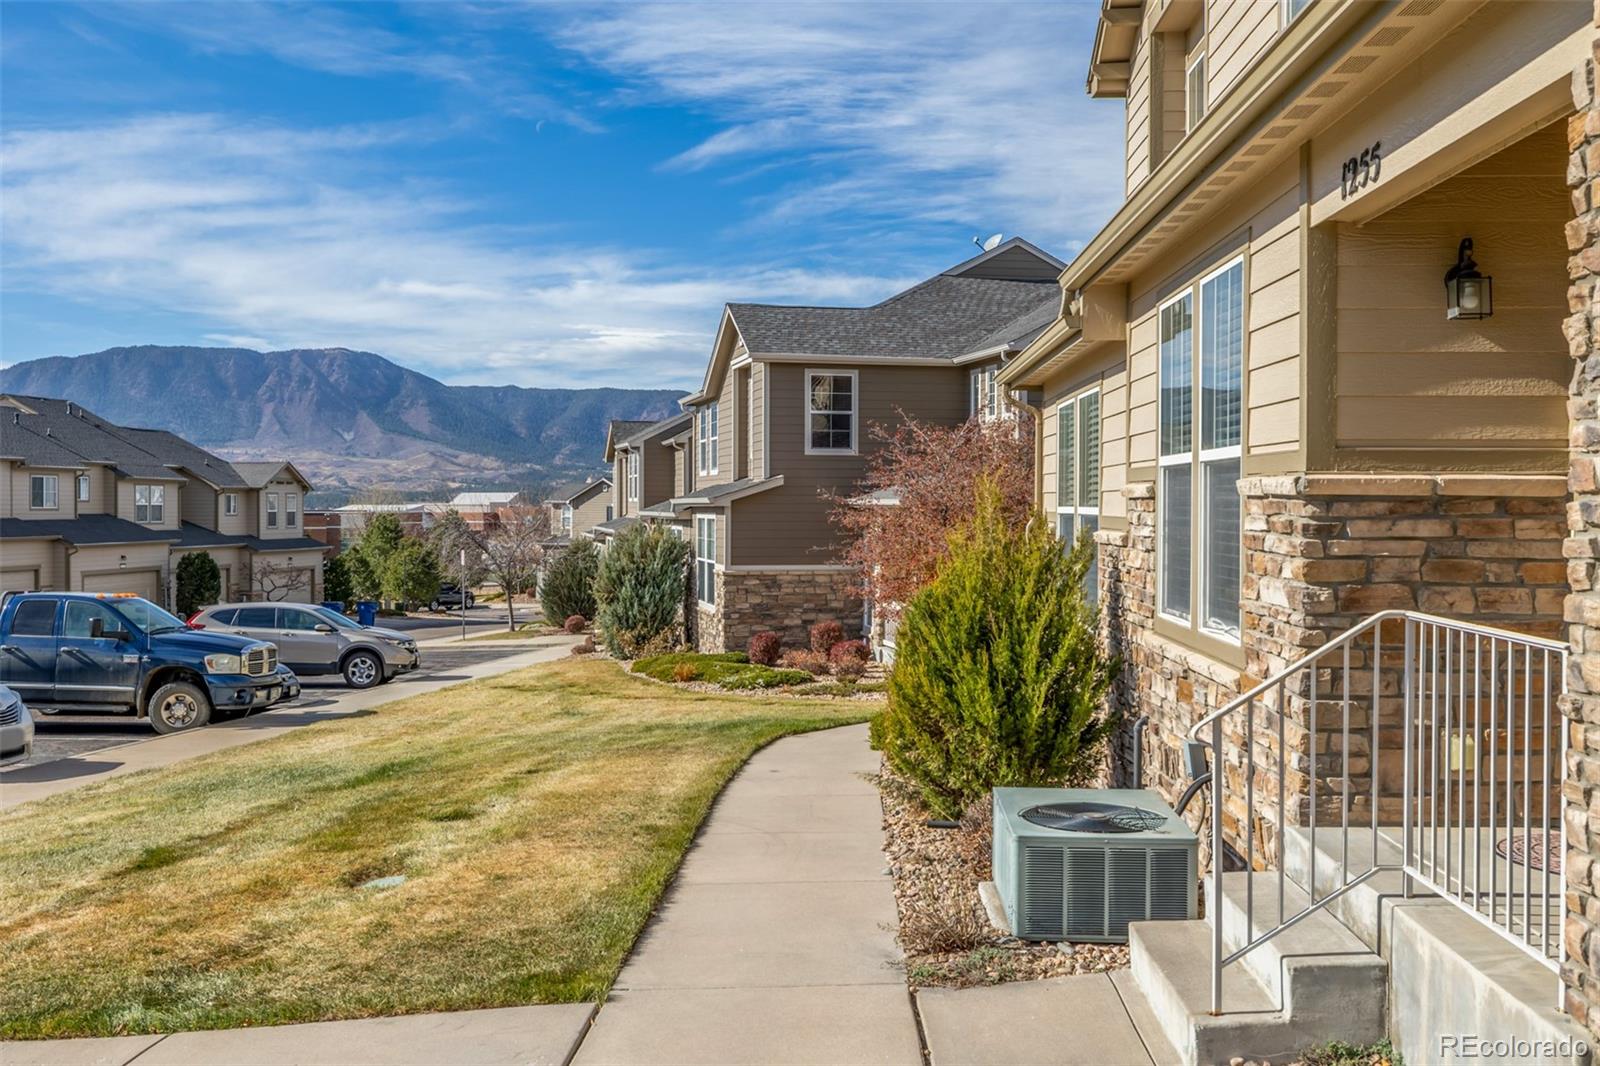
x: 58, y: 429
x: 256, y: 475
x: 174, y: 449
x: 563, y: 493
x: 651, y: 429
x: 193, y: 536
x: 87, y: 529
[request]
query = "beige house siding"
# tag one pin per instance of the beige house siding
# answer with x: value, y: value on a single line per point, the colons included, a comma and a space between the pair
x: 37, y: 561
x: 619, y: 484
x: 1138, y: 113
x: 66, y: 496
x: 171, y: 506
x: 243, y: 522
x: 104, y: 560
x: 102, y: 492
x: 589, y: 508
x: 1237, y: 32
x: 200, y: 505
x: 282, y: 488
x: 1109, y: 374
x: 1406, y: 376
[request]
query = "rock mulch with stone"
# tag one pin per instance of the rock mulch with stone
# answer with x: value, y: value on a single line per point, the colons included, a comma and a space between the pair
x: 944, y: 931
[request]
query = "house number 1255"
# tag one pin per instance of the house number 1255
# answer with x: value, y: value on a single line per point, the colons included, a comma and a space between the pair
x: 1359, y: 171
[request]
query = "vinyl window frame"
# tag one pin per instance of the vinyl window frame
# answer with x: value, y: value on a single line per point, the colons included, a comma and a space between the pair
x: 81, y: 483
x: 1194, y: 96
x: 291, y: 510
x: 230, y: 504
x: 632, y: 474
x: 705, y: 560
x: 272, y: 509
x: 855, y: 410
x: 150, y: 504
x: 1198, y: 458
x: 46, y: 488
x: 566, y: 519
x: 983, y: 393
x: 708, y: 440
x: 1077, y: 510
x: 1290, y: 10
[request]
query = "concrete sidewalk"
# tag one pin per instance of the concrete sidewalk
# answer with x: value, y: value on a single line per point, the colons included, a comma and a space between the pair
x: 509, y: 1036
x: 28, y: 783
x: 776, y: 943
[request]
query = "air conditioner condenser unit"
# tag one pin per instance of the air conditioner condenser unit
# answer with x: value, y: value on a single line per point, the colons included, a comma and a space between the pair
x: 1081, y: 863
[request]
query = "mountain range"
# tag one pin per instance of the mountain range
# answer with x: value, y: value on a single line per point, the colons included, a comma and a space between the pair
x: 352, y: 421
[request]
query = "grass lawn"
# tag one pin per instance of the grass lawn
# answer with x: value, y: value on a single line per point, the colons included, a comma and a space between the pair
x: 537, y: 817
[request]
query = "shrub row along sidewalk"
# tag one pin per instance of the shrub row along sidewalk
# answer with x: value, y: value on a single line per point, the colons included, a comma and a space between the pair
x: 498, y: 843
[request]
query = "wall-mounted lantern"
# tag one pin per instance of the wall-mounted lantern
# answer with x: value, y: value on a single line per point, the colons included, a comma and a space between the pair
x: 122, y: 562
x: 1467, y: 293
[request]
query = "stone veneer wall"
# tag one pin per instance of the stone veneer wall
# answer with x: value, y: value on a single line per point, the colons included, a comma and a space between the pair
x: 1322, y: 553
x: 787, y: 602
x: 1581, y: 784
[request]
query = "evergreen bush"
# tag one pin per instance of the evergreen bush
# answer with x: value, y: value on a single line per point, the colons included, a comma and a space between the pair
x: 199, y: 583
x: 640, y: 589
x: 999, y: 676
x: 568, y: 585
x: 336, y: 582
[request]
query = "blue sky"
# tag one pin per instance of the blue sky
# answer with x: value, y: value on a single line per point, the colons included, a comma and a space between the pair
x: 545, y: 194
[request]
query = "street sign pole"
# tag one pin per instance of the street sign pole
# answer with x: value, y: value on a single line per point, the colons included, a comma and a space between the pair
x: 463, y: 592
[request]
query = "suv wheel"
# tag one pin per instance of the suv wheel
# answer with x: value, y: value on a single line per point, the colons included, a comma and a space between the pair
x: 179, y: 706
x: 363, y: 669
x: 434, y: 606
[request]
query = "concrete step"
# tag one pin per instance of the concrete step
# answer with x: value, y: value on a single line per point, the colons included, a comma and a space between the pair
x: 1316, y: 957
x: 1171, y: 965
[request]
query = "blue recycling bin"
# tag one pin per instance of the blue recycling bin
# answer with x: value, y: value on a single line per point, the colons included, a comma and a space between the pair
x: 336, y: 606
x: 367, y: 612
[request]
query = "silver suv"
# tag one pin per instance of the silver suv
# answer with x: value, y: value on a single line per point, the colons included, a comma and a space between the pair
x: 315, y: 640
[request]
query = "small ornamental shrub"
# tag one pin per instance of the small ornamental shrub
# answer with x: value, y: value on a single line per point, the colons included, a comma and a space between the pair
x: 999, y: 677
x: 812, y: 662
x: 574, y: 623
x: 824, y: 635
x: 568, y: 585
x: 849, y: 668
x: 640, y: 590
x: 849, y: 651
x: 683, y: 672
x: 765, y: 649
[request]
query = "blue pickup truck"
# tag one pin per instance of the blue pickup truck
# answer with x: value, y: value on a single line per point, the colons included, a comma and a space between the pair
x: 120, y: 653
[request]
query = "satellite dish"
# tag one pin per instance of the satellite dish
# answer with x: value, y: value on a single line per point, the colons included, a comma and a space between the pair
x: 991, y: 243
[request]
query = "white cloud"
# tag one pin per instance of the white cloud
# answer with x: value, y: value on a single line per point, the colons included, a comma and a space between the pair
x: 289, y: 238
x: 970, y: 114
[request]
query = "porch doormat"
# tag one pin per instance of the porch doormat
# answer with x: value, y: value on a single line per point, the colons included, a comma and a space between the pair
x: 1544, y: 844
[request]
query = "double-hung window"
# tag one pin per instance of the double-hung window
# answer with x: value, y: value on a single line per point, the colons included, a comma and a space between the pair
x: 1078, y: 474
x: 83, y: 488
x: 149, y: 503
x: 42, y: 492
x: 985, y: 393
x: 566, y: 519
x: 291, y: 509
x: 272, y: 510
x: 230, y: 503
x: 830, y: 412
x: 709, y: 439
x: 633, y: 477
x: 1201, y: 433
x: 1194, y: 92
x: 705, y: 559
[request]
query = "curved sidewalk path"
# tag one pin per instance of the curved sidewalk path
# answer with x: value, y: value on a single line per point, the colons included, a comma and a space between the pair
x: 776, y: 942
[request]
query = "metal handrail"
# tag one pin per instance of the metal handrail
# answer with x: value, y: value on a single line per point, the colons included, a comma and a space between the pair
x: 1430, y: 641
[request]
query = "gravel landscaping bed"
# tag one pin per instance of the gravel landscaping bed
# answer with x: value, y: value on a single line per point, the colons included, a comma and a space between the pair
x: 944, y: 931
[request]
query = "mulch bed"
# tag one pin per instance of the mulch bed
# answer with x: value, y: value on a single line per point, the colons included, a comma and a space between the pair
x: 944, y: 931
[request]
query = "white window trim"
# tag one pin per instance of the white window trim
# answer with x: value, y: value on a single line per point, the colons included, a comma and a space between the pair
x: 855, y: 411
x: 81, y: 482
x: 154, y: 496
x: 1192, y: 116
x: 1196, y: 457
x: 632, y: 473
x: 714, y: 439
x: 566, y: 518
x: 291, y: 510
x: 1287, y: 15
x: 230, y: 504
x: 49, y: 496
x: 1077, y: 427
x: 702, y: 586
x: 272, y: 510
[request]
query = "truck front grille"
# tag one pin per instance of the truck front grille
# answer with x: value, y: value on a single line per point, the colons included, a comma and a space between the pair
x: 261, y: 661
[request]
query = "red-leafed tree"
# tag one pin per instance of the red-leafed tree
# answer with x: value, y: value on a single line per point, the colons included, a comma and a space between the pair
x: 920, y: 485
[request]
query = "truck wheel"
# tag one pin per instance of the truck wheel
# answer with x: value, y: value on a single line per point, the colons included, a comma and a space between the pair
x: 363, y: 669
x: 178, y: 706
x: 434, y: 607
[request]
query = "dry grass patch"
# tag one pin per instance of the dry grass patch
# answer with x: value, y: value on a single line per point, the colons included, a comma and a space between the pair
x: 535, y: 817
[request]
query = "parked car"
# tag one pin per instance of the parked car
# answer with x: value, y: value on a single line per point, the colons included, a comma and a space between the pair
x: 120, y: 653
x: 449, y: 598
x: 16, y: 727
x: 315, y: 640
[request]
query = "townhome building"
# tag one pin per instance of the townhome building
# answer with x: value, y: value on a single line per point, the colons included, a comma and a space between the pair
x: 785, y: 421
x: 646, y: 469
x: 1314, y: 369
x: 577, y: 507
x: 88, y: 505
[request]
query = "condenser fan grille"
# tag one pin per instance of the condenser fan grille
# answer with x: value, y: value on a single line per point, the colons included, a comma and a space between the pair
x: 1086, y: 816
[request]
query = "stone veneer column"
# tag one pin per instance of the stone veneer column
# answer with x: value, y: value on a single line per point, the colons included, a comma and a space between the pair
x: 1581, y: 787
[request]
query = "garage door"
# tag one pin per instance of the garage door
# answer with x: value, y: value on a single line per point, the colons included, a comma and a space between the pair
x: 296, y: 586
x: 146, y: 583
x: 19, y: 580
